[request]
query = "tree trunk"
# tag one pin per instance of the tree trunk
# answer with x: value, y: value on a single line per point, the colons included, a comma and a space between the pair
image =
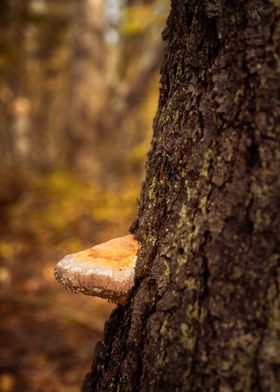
x: 205, y: 311
x: 88, y: 80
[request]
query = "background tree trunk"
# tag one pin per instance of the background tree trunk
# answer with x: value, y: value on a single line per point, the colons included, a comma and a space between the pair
x: 88, y: 79
x: 205, y: 311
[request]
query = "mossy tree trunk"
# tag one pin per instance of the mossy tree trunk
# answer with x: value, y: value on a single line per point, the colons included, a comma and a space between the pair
x: 205, y: 311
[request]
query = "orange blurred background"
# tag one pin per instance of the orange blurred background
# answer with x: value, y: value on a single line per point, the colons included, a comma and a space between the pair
x: 78, y: 92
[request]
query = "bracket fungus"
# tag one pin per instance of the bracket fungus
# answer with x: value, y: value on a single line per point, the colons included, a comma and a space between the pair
x: 106, y: 270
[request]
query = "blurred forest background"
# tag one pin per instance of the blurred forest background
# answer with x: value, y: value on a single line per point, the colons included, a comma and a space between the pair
x: 78, y: 92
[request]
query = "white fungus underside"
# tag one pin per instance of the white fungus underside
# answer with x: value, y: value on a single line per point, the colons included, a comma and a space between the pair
x: 95, y: 278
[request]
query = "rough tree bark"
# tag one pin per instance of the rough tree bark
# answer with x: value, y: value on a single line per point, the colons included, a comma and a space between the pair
x: 205, y: 311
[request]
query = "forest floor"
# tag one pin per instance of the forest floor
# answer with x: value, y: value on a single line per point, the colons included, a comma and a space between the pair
x: 47, y: 334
